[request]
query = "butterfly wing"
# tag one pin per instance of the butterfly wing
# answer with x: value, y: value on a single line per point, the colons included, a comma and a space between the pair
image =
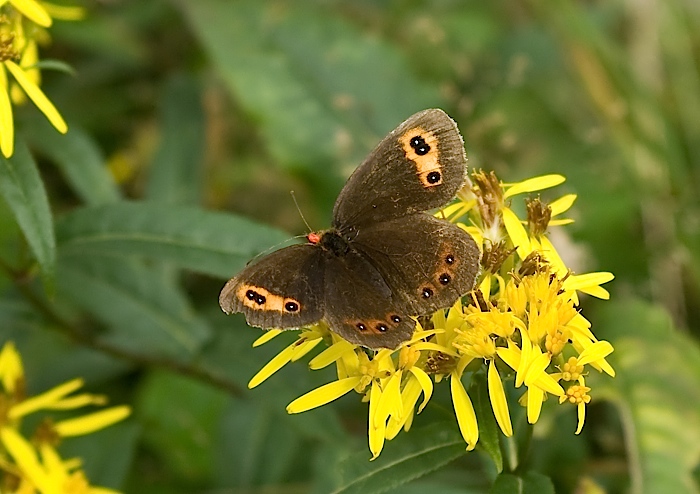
x: 426, y: 261
x: 282, y: 290
x: 361, y: 307
x: 419, y: 166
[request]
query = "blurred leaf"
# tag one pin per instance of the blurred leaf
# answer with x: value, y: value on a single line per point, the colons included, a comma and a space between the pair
x: 23, y: 190
x: 321, y: 90
x: 204, y: 241
x: 176, y: 171
x: 107, y: 455
x: 530, y: 483
x: 57, y: 65
x: 78, y: 157
x: 256, y: 445
x: 145, y: 312
x: 408, y: 457
x: 181, y: 418
x: 657, y: 391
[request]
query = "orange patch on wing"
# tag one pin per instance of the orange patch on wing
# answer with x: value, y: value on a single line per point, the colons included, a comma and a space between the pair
x: 428, y: 166
x: 258, y: 298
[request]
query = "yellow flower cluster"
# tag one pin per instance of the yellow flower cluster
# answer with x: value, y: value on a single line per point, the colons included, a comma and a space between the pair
x: 520, y: 324
x: 22, y: 27
x: 35, y: 466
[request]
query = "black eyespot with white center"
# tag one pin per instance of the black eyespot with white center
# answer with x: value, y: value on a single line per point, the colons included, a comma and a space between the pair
x: 450, y: 259
x: 396, y: 319
x: 291, y: 306
x: 434, y: 177
x: 361, y: 326
x: 250, y: 294
x: 419, y: 145
x: 259, y: 299
x: 382, y: 328
x: 427, y: 292
x: 445, y: 278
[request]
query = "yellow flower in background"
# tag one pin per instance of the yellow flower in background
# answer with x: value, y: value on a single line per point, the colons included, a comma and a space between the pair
x: 520, y: 328
x: 35, y: 465
x: 21, y: 26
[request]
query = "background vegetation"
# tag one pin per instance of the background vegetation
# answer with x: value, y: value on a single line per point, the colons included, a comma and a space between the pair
x: 190, y: 122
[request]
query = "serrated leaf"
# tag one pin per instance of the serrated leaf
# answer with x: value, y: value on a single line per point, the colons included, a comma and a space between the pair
x: 204, y: 241
x: 77, y: 157
x: 23, y: 190
x: 145, y: 313
x: 658, y: 386
x: 176, y: 171
x: 408, y: 457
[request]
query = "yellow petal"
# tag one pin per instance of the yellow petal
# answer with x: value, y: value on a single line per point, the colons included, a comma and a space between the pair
x: 37, y: 96
x: 580, y: 281
x: 277, y: 362
x: 549, y: 384
x: 44, y: 400
x: 562, y: 205
x: 376, y: 433
x: 517, y: 233
x: 498, y: 400
x: 330, y: 354
x: 267, y: 336
x: 78, y: 401
x: 11, y: 369
x: 323, y: 395
x: 534, y: 184
x: 390, y: 402
x: 426, y: 385
x: 464, y: 410
x: 27, y: 460
x: 7, y: 128
x: 304, y: 348
x: 597, y: 351
x: 33, y: 10
x: 581, y: 409
x: 64, y: 12
x: 92, y: 422
x: 534, y: 404
x: 485, y: 286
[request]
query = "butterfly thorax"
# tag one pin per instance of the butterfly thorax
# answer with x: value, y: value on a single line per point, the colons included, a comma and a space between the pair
x: 331, y: 241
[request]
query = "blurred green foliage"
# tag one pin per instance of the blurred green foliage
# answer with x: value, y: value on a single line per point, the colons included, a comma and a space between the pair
x: 113, y: 252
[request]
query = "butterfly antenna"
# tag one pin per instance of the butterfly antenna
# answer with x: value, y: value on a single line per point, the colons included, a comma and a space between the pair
x: 294, y: 198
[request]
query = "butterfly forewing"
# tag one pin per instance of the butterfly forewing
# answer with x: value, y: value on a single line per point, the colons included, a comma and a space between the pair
x: 282, y: 290
x: 427, y: 261
x: 419, y: 166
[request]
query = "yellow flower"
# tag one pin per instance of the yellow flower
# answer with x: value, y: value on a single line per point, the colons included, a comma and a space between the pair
x: 523, y: 313
x: 19, y: 44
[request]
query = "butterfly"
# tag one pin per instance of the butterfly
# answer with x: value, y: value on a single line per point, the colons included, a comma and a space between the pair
x: 384, y: 259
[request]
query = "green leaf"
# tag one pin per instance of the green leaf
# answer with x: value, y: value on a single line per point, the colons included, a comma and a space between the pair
x: 256, y: 445
x: 321, y: 90
x: 657, y: 391
x: 408, y: 457
x: 204, y: 241
x: 489, y: 432
x: 78, y: 157
x: 530, y: 483
x: 176, y: 171
x: 52, y: 64
x: 183, y: 417
x: 23, y: 190
x: 145, y: 313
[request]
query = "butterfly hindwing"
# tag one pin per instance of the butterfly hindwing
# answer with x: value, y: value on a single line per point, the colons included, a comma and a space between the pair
x: 428, y: 261
x: 282, y: 290
x: 419, y: 166
x: 361, y: 307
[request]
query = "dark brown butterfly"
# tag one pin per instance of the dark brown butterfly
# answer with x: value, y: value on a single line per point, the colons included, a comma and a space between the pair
x: 384, y: 259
